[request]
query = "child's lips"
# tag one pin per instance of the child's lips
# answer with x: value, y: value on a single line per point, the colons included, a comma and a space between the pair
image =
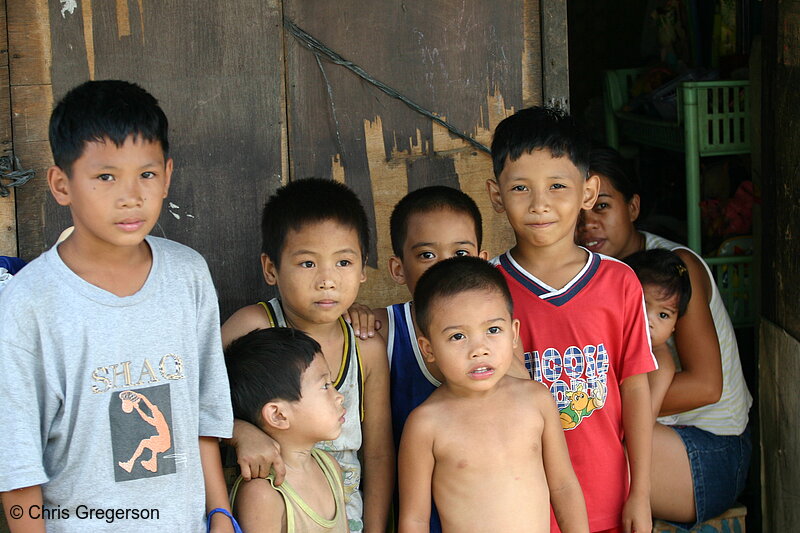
x: 481, y: 372
x: 327, y: 304
x: 540, y: 225
x: 130, y: 224
x: 341, y: 418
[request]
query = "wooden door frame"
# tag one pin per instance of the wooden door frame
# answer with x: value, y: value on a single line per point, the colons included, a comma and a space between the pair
x: 8, y: 214
x: 25, y: 87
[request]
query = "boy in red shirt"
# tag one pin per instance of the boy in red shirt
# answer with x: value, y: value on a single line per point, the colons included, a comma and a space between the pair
x: 583, y: 323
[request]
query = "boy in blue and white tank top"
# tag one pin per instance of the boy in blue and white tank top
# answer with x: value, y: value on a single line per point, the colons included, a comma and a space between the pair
x: 427, y: 225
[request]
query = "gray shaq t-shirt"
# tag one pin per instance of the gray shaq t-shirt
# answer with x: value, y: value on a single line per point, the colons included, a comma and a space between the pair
x: 102, y: 398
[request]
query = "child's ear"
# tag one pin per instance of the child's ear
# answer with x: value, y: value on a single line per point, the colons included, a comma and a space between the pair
x: 274, y: 415
x: 58, y: 181
x: 591, y: 188
x: 426, y: 348
x: 493, y: 188
x: 515, y: 329
x: 167, y: 176
x: 269, y: 269
x: 483, y: 254
x: 396, y: 270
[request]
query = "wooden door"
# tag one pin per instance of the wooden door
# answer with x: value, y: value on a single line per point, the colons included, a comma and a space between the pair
x: 250, y: 107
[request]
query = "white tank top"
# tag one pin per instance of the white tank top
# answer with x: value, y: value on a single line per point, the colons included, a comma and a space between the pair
x: 730, y: 414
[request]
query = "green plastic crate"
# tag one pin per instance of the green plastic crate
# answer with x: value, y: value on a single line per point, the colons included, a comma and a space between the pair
x: 712, y: 115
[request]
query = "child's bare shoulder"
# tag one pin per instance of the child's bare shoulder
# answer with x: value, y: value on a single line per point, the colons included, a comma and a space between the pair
x: 426, y: 416
x: 243, y: 322
x: 529, y: 390
x: 258, y: 502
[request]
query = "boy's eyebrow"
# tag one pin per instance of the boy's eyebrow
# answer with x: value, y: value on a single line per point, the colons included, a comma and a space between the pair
x: 424, y: 244
x: 312, y: 252
x: 149, y: 164
x: 490, y: 321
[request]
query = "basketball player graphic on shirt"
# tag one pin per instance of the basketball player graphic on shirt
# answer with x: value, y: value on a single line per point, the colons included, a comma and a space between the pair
x: 158, y: 443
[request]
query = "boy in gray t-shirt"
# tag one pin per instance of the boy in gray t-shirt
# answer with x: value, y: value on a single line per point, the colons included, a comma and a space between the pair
x: 114, y: 390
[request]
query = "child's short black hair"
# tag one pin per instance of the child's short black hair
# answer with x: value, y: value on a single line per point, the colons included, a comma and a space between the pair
x: 540, y: 128
x: 309, y: 201
x: 454, y: 276
x: 665, y: 270
x: 608, y: 162
x: 99, y: 110
x: 429, y: 199
x: 267, y: 365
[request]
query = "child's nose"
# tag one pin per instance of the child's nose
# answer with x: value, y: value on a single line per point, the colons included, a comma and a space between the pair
x: 326, y: 283
x: 131, y: 194
x: 325, y: 280
x: 539, y: 202
x: 480, y: 349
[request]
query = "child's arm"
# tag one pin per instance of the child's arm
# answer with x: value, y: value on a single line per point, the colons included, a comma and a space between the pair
x: 17, y: 504
x: 415, y: 469
x: 242, y: 322
x: 661, y: 378
x: 700, y: 380
x: 260, y: 508
x: 256, y: 452
x: 637, y: 423
x: 566, y: 495
x: 216, y: 492
x: 378, y: 447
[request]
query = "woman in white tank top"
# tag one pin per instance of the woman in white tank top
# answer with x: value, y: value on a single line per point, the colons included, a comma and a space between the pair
x: 701, y: 445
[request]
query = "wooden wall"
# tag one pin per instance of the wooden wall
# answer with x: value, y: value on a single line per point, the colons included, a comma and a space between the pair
x: 780, y: 331
x: 457, y: 59
x: 251, y: 108
x: 217, y: 71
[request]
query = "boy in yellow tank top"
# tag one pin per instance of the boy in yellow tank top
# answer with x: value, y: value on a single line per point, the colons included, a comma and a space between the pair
x: 281, y: 383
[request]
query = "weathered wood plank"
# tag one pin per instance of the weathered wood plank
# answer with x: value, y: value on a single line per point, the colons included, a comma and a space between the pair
x: 464, y: 62
x: 779, y: 371
x: 532, y: 54
x: 31, y: 101
x: 781, y: 159
x: 8, y: 215
x: 29, y: 41
x: 555, y: 53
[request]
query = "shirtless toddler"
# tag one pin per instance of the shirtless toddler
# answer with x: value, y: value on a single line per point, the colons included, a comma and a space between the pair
x: 488, y: 447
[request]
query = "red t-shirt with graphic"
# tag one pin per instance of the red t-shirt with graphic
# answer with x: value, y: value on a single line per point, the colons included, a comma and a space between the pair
x: 582, y: 341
